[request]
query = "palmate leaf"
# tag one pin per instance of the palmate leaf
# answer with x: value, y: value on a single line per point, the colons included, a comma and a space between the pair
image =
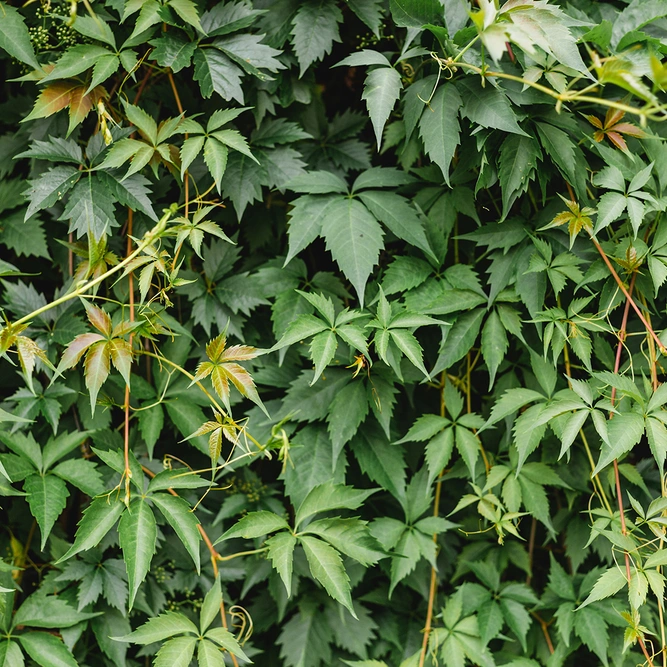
x: 223, y: 369
x: 14, y: 36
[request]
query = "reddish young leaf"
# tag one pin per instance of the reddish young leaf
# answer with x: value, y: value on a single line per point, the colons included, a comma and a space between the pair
x: 76, y: 349
x: 96, y: 370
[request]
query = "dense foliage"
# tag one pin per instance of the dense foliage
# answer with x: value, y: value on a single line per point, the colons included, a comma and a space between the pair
x: 332, y: 333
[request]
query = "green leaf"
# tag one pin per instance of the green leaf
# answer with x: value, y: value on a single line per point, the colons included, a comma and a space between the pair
x: 314, y: 31
x: 494, y: 344
x: 249, y: 52
x: 98, y: 519
x: 281, y: 553
x: 178, y: 478
x: 182, y: 519
x: 396, y: 213
x: 322, y: 351
x: 609, y: 583
x: 459, y: 339
x: 381, y: 90
x: 301, y: 328
x: 636, y: 15
x: 657, y: 440
x: 58, y: 447
x: 176, y: 652
x: 138, y: 534
x: 209, y: 655
x: 439, y: 127
x: 132, y: 191
x: 610, y: 207
x: 307, y: 217
x: 255, y: 524
x: 75, y: 60
x: 90, y: 208
x: 510, y: 402
x: 47, y: 497
x: 11, y: 655
x: 330, y: 496
x: 416, y: 13
x: 161, y: 627
x: 591, y: 628
x: 348, y: 409
x: 187, y: 10
x: 487, y: 106
x: 407, y: 555
x: 349, y: 536
x: 625, y: 431
x: 369, y: 11
x: 383, y: 463
x: 326, y: 567
x: 305, y: 638
x: 214, y: 71
x: 14, y: 36
x: 518, y: 159
x: 318, y: 183
x: 211, y: 606
x: 354, y: 239
x: 47, y: 650
x: 24, y: 237
x: 50, y: 187
x: 215, y: 157
x: 23, y: 445
x: 95, y: 28
x: 48, y: 611
x: 227, y: 640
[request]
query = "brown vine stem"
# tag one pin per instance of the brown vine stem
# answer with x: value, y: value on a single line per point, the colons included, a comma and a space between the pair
x: 545, y: 630
x: 628, y: 296
x: 622, y: 332
x: 433, y: 586
x: 215, y: 557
